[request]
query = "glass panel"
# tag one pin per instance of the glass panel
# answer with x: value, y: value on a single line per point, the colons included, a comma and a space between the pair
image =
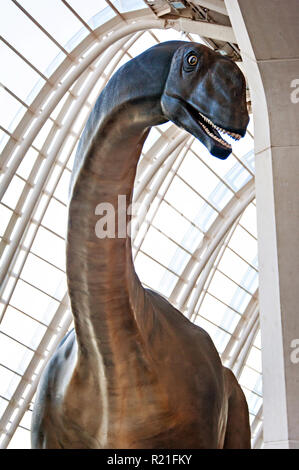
x: 50, y: 247
x: 253, y: 401
x: 38, y: 213
x: 81, y: 119
x: 66, y: 150
x: 59, y: 106
x: 25, y: 36
x: 154, y: 275
x: 240, y: 300
x: 11, y: 111
x: 42, y: 135
x: 219, y: 337
x: 33, y: 302
x: 88, y: 8
x: 3, y: 141
x: 20, y: 439
x: 62, y: 189
x: 254, y: 359
x: 186, y: 201
x: 13, y: 355
x: 177, y: 227
x: 198, y: 175
x: 55, y: 218
x: 237, y: 177
x: 257, y: 341
x: 227, y: 291
x: 250, y: 280
x: 139, y: 46
x: 22, y: 328
x: 244, y: 244
x: 153, y: 136
x: 5, y: 215
x: 15, y: 68
x: 220, y: 196
x: 27, y: 163
x: 233, y: 266
x: 249, y: 378
x: 8, y: 380
x: 249, y: 160
x: 128, y: 5
x: 219, y: 314
x: 26, y: 420
x: 3, y: 403
x: 55, y: 18
x: 167, y: 35
x: 248, y: 219
x: 44, y: 276
x: 163, y: 250
x: 93, y: 12
x: 13, y: 193
x: 53, y: 178
x: 221, y: 167
x: 241, y: 147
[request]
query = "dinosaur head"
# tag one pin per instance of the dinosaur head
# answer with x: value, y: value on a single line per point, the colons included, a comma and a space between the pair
x: 205, y: 94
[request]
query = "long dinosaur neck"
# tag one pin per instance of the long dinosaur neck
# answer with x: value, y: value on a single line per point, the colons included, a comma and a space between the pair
x: 103, y: 286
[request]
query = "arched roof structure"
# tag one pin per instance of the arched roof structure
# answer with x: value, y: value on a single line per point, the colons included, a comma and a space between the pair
x: 195, y: 243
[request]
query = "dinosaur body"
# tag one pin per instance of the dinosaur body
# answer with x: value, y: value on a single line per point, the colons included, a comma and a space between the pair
x: 136, y: 373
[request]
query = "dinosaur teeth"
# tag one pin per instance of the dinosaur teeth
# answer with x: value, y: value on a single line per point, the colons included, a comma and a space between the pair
x: 218, y: 139
x: 220, y: 129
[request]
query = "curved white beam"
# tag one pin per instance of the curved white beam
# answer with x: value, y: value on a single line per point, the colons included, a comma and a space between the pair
x: 180, y: 138
x: 72, y: 117
x: 31, y: 371
x: 27, y: 376
x: 133, y: 25
x: 241, y: 331
x: 204, y: 29
x: 106, y: 42
x: 35, y: 194
x: 209, y: 266
x: 213, y: 237
x: 150, y: 196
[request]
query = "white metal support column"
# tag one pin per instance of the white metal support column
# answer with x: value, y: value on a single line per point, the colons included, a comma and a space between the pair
x: 268, y: 35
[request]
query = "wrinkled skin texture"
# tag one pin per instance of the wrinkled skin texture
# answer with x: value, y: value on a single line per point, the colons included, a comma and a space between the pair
x: 135, y: 373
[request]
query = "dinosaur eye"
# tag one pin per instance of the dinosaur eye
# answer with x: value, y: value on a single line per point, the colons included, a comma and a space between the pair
x: 192, y: 59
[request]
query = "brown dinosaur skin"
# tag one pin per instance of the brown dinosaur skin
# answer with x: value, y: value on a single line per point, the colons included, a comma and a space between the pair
x: 135, y: 373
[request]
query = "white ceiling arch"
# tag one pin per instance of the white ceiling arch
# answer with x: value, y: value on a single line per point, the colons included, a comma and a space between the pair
x: 36, y: 162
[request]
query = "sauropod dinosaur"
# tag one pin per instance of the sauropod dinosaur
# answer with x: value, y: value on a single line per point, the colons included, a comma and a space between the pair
x: 135, y: 373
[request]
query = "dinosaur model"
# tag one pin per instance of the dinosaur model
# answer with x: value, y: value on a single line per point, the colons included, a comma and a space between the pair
x: 135, y: 373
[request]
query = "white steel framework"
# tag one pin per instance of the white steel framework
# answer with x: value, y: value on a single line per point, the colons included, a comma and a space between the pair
x: 196, y: 244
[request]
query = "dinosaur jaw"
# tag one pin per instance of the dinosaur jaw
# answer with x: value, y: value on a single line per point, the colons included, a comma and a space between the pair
x: 212, y: 135
x: 214, y: 132
x: 188, y: 117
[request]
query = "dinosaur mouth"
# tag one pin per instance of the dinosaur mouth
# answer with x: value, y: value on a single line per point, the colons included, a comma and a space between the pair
x: 216, y: 138
x: 214, y: 132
